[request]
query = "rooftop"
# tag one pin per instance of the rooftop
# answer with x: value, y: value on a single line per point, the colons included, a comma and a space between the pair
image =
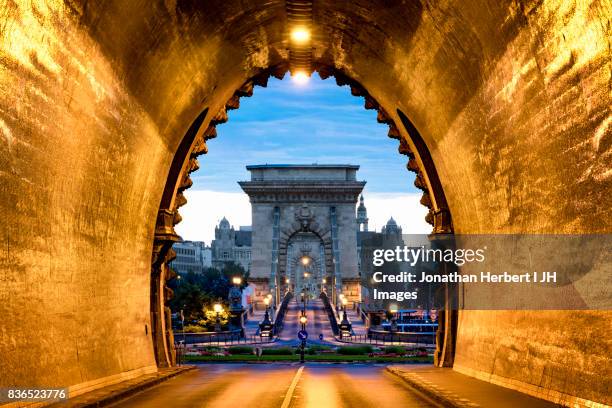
x: 303, y: 166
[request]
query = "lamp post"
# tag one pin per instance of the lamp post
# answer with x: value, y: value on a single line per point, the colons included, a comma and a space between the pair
x: 265, y: 327
x: 303, y: 321
x: 393, y: 311
x: 218, y: 309
x: 267, y: 303
x: 345, y: 325
x: 181, y: 350
x: 270, y: 304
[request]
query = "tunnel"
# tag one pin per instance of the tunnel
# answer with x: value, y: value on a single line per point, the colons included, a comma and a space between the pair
x: 501, y: 107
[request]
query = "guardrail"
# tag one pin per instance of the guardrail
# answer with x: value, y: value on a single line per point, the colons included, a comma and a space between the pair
x: 281, y: 312
x: 388, y: 338
x: 207, y: 337
x: 331, y: 314
x: 219, y: 339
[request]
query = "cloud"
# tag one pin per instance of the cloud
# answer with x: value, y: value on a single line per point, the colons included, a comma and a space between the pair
x: 205, y: 208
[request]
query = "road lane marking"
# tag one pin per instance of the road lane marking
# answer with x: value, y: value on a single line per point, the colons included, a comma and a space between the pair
x: 291, y: 389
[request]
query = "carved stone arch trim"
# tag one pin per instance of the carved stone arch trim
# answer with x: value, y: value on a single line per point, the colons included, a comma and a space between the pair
x: 194, y: 144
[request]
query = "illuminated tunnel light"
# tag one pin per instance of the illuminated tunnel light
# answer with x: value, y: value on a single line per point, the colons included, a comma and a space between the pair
x: 300, y: 35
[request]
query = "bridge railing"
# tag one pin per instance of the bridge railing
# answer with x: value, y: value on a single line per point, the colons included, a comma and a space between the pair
x: 281, y: 312
x: 331, y: 314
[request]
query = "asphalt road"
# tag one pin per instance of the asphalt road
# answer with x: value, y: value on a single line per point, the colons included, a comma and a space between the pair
x: 318, y: 323
x: 281, y: 385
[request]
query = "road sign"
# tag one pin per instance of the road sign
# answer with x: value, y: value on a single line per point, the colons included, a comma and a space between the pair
x: 321, y: 336
x: 302, y: 335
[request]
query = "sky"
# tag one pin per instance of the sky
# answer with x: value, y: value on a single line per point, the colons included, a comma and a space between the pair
x: 288, y: 123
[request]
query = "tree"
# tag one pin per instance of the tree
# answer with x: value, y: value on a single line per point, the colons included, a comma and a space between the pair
x: 193, y: 291
x: 190, y: 299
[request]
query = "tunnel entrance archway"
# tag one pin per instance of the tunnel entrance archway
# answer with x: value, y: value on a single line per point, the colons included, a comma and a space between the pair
x: 511, y: 98
x: 185, y: 162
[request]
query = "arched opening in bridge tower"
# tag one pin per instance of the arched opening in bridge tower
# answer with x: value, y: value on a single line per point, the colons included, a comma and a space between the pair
x: 304, y: 124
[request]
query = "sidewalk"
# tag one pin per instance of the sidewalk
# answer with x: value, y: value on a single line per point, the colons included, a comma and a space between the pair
x: 453, y: 389
x: 252, y: 325
x: 113, y: 393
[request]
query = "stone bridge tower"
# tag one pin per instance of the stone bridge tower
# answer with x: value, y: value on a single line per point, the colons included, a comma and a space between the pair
x: 294, y: 204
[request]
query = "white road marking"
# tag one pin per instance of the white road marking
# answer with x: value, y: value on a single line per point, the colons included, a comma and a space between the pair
x: 291, y: 389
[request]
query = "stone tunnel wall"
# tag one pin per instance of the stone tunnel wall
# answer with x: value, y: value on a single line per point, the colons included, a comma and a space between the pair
x: 511, y: 97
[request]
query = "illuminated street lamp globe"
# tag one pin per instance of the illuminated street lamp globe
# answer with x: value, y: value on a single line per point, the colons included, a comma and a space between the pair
x: 237, y: 280
x: 344, y: 301
x: 217, y: 308
x: 303, y: 320
x: 305, y: 260
x: 267, y: 301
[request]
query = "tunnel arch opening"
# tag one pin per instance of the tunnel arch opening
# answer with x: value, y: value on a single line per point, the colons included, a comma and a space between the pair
x: 185, y: 162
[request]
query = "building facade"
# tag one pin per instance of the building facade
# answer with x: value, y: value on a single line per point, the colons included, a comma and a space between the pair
x: 231, y: 245
x: 304, y: 229
x: 191, y: 256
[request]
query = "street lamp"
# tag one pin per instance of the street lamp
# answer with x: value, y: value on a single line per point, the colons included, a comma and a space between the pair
x: 266, y: 324
x: 303, y: 302
x: 218, y: 309
x: 303, y: 321
x: 344, y: 318
x: 305, y: 260
x: 237, y: 280
x: 393, y: 311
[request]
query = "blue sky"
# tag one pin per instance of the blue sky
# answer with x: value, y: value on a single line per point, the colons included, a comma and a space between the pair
x: 319, y: 122
x: 287, y: 123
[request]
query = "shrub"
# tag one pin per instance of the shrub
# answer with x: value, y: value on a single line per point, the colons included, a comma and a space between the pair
x: 354, y: 350
x: 282, y: 351
x: 316, y: 348
x: 194, y: 328
x: 395, y: 350
x: 240, y: 350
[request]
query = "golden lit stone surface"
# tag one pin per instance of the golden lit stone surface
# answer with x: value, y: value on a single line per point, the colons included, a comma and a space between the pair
x: 512, y: 99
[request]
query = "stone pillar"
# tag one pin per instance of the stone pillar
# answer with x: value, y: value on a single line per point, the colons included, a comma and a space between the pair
x: 161, y: 327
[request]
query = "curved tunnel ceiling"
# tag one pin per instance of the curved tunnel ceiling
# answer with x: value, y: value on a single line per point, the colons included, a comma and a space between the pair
x: 455, y: 69
x: 510, y: 97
